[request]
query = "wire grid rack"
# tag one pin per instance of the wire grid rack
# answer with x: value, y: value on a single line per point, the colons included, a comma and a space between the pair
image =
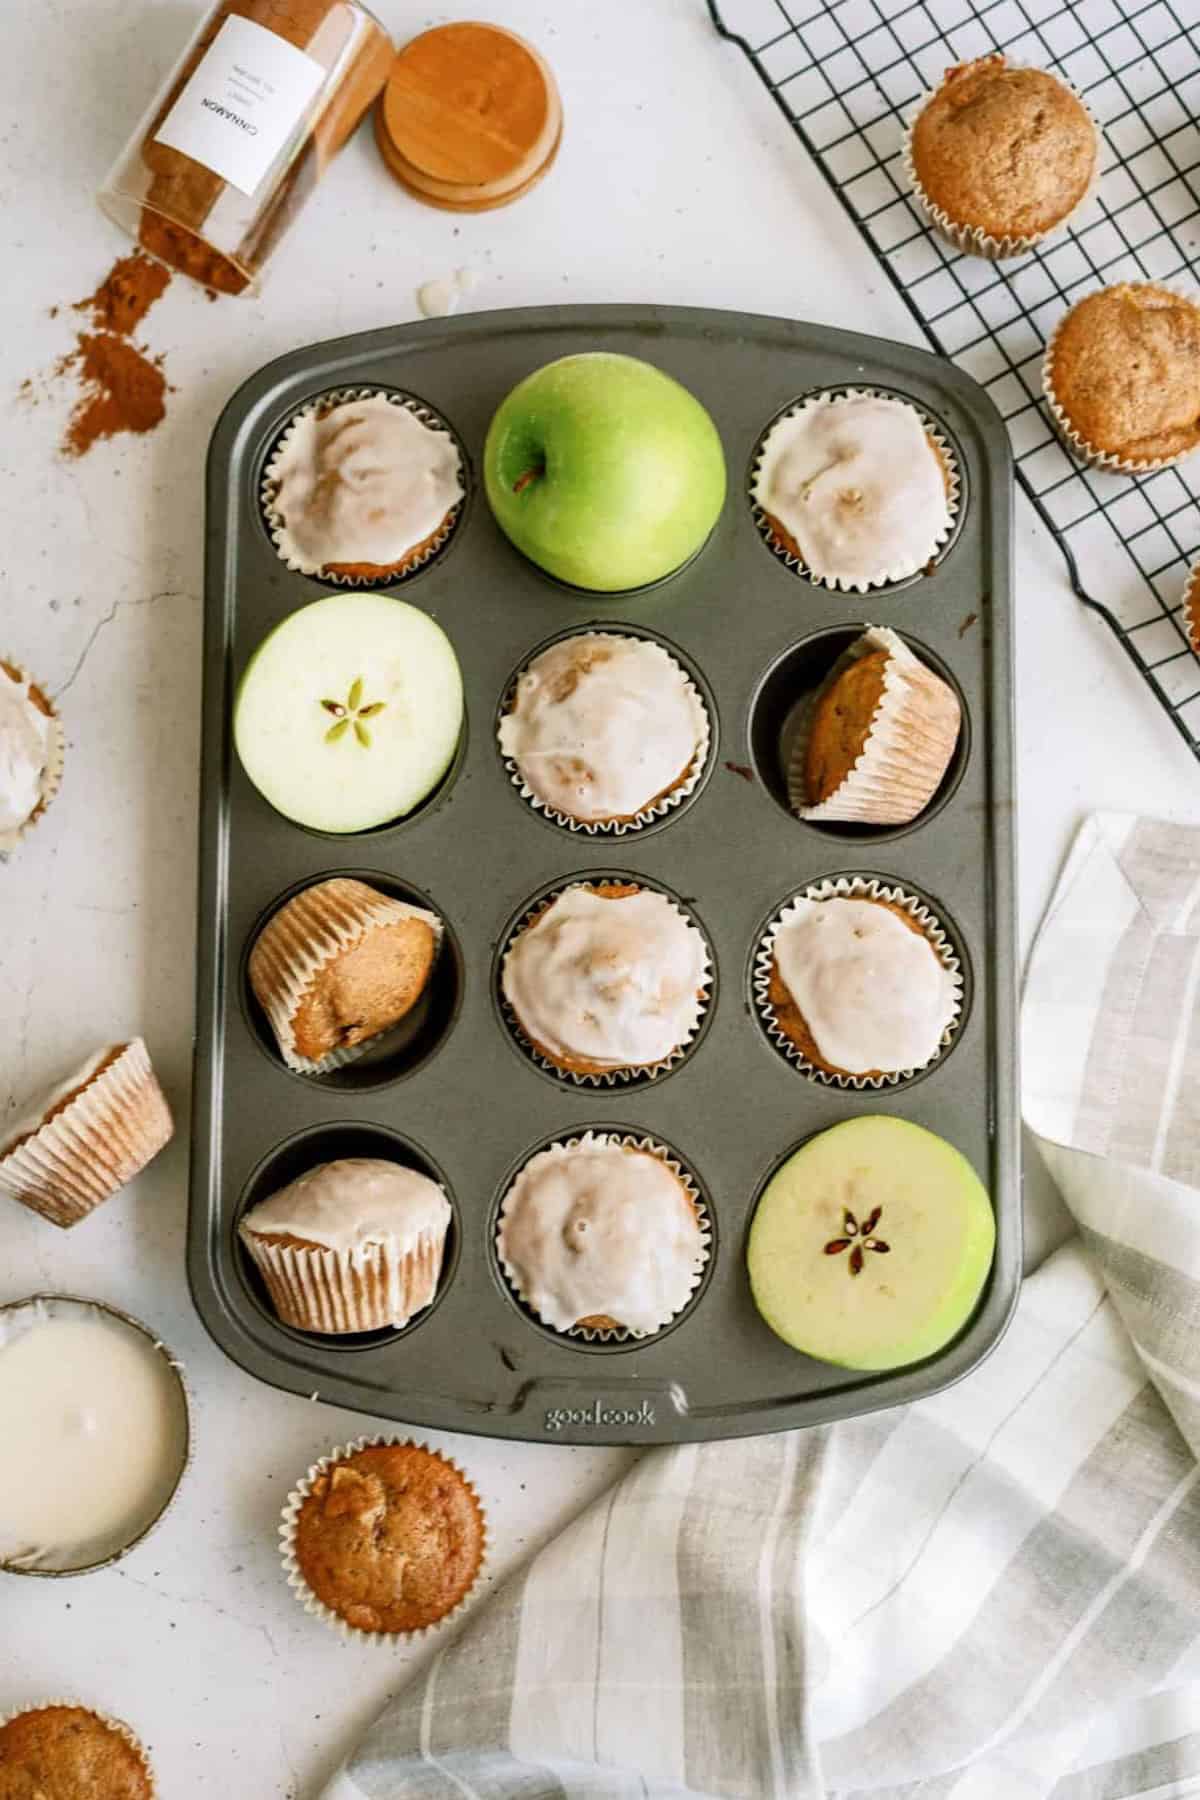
x: 847, y: 75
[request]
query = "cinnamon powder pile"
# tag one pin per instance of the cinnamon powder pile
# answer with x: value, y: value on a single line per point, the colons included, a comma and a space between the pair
x: 121, y: 386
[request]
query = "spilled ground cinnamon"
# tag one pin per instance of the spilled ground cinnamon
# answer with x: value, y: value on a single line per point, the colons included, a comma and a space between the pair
x: 126, y: 294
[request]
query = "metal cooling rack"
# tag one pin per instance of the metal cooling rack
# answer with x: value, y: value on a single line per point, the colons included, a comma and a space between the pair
x: 847, y: 73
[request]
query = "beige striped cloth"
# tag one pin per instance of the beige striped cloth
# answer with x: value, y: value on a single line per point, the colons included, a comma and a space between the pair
x: 992, y: 1594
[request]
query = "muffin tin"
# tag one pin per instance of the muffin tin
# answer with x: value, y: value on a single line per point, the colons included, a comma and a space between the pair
x: 454, y: 1093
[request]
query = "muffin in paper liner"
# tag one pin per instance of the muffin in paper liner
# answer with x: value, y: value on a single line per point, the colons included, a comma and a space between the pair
x: 853, y: 887
x: 907, y: 749
x: 88, y: 1137
x: 665, y: 802
x: 1077, y: 445
x: 302, y: 937
x: 603, y: 1077
x: 122, y: 1730
x: 970, y: 239
x: 614, y: 1334
x: 295, y: 1577
x: 418, y: 555
x: 50, y: 776
x: 789, y: 552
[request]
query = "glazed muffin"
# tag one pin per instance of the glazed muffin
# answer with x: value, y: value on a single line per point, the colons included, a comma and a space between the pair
x: 605, y: 730
x: 31, y: 754
x: 85, y: 1139
x: 860, y: 982
x: 606, y: 977
x: 856, y: 489
x: 352, y: 1245
x: 384, y: 1538
x: 362, y: 489
x: 1000, y: 157
x: 336, y: 966
x: 65, y: 1752
x: 602, y: 1234
x: 876, y: 737
x: 1122, y: 377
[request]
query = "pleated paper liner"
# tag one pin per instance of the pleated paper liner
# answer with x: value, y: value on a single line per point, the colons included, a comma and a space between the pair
x: 908, y: 746
x: 1191, y: 607
x: 295, y: 1577
x: 947, y: 458
x: 418, y: 556
x: 854, y: 887
x: 338, y: 1292
x: 611, y: 1078
x: 590, y: 1334
x: 118, y: 1726
x: 1077, y: 445
x: 305, y: 934
x: 104, y: 1135
x: 970, y: 238
x: 661, y: 804
x: 51, y: 775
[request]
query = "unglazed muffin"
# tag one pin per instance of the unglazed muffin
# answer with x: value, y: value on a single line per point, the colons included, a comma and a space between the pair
x: 877, y: 736
x: 337, y: 965
x: 606, y: 977
x: 362, y: 489
x: 1000, y: 156
x: 602, y: 1234
x: 352, y: 1245
x: 605, y: 730
x: 859, y: 980
x: 85, y: 1139
x: 856, y: 489
x: 1122, y: 376
x: 385, y: 1538
x: 61, y: 1751
x: 31, y: 754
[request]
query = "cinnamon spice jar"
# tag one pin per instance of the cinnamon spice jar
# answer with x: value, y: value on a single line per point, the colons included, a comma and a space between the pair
x: 244, y: 127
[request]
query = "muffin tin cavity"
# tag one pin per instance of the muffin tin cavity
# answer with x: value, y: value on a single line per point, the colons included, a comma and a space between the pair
x: 441, y: 540
x: 330, y: 1143
x: 775, y: 717
x: 957, y: 495
x: 625, y: 1079
x: 651, y: 818
x: 410, y: 1043
x: 586, y: 1340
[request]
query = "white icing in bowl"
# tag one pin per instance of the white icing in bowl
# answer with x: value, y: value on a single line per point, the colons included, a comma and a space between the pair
x: 25, y: 746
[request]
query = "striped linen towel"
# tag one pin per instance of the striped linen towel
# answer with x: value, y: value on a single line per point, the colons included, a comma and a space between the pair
x: 992, y: 1594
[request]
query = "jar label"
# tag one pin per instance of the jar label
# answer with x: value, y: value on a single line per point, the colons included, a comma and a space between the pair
x: 242, y: 102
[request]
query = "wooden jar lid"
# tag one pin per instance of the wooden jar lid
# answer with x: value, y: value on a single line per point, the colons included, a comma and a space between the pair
x: 470, y: 117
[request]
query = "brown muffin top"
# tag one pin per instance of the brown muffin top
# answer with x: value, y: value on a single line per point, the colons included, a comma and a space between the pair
x: 1008, y: 151
x: 840, y: 723
x: 791, y: 1020
x: 391, y: 1538
x: 69, y: 1753
x: 1125, y: 369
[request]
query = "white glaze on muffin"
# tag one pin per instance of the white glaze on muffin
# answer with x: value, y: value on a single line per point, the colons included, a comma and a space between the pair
x: 352, y: 1205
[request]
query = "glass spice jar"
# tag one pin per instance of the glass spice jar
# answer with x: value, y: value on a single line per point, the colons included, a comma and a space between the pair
x: 244, y: 127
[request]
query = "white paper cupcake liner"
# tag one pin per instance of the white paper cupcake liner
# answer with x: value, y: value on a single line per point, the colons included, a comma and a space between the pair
x: 118, y: 1725
x: 647, y: 814
x: 295, y: 1577
x: 276, y: 525
x: 1191, y: 608
x: 104, y: 1137
x: 1077, y: 445
x: 51, y: 776
x: 599, y: 1140
x: 836, y: 583
x: 902, y: 762
x: 853, y: 887
x: 970, y: 239
x: 320, y: 1289
x: 610, y: 1078
x: 300, y: 946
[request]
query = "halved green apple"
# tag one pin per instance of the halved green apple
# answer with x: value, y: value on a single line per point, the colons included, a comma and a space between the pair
x: 871, y: 1245
x: 349, y: 712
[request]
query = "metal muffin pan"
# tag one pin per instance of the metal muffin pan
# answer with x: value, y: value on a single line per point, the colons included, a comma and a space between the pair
x: 464, y: 1102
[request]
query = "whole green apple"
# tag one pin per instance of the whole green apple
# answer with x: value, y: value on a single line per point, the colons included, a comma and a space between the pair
x: 604, y: 471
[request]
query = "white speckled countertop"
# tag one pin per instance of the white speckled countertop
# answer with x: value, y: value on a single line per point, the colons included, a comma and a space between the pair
x: 678, y: 182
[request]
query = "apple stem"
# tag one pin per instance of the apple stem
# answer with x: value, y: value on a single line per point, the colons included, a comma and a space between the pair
x: 529, y: 475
